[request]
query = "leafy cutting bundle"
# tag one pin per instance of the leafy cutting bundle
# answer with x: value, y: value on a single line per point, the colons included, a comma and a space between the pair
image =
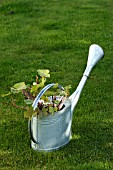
x: 51, y: 101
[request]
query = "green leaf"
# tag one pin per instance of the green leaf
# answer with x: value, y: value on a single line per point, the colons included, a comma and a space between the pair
x: 49, y: 93
x: 44, y: 110
x: 62, y: 93
x: 67, y: 90
x: 43, y: 80
x: 20, y: 86
x: 45, y: 98
x: 56, y: 101
x: 55, y: 86
x: 51, y: 109
x: 28, y: 101
x: 29, y: 112
x: 67, y: 87
x: 36, y: 87
x: 43, y: 73
x: 55, y: 109
x: 14, y: 91
x: 4, y: 95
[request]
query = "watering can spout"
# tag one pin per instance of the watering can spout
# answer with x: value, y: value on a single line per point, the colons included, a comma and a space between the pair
x: 95, y: 54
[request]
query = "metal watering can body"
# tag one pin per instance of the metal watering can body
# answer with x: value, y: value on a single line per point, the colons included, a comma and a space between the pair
x: 54, y: 131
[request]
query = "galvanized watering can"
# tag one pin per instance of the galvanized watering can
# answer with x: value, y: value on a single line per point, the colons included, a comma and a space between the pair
x: 54, y: 131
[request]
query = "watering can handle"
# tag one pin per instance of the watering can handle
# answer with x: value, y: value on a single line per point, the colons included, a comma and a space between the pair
x: 34, y: 105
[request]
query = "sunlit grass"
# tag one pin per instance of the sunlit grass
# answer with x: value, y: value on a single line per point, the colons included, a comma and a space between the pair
x: 56, y: 35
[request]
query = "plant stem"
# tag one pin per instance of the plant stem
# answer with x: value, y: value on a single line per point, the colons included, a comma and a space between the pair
x: 19, y: 107
x: 28, y: 95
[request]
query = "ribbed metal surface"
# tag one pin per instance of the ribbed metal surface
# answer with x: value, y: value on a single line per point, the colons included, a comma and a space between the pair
x: 53, y: 131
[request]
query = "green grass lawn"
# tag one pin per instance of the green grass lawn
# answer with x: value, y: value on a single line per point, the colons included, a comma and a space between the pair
x: 56, y: 34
